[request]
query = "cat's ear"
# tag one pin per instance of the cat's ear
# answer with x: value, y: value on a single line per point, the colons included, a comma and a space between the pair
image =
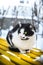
x: 19, y: 24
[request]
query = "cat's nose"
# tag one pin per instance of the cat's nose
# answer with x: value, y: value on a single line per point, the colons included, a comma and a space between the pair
x: 23, y: 37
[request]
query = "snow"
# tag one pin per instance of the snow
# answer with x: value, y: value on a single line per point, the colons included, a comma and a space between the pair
x: 35, y: 18
x: 27, y: 8
x: 39, y: 41
x: 4, y: 33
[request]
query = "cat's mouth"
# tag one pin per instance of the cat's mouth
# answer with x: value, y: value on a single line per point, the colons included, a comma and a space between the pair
x: 24, y: 38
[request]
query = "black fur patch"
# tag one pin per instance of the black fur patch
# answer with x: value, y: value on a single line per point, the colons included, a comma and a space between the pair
x: 14, y: 49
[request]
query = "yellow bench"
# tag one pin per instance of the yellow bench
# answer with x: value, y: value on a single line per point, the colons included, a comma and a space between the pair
x: 8, y: 57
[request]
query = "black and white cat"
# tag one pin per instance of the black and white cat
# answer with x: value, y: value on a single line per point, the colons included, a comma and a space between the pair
x: 22, y: 37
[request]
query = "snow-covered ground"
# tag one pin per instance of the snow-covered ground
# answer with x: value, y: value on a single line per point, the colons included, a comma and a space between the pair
x: 39, y: 41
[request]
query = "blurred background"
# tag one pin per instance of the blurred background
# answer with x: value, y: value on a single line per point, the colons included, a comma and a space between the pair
x: 24, y: 11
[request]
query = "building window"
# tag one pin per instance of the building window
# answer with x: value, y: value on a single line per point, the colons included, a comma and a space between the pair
x: 21, y: 1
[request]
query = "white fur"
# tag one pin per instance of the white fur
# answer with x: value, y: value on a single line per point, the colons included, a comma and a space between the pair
x: 30, y: 26
x: 20, y: 24
x: 22, y: 30
x: 23, y: 44
x: 21, y: 34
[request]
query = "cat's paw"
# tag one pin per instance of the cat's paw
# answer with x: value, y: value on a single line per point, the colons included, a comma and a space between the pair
x: 22, y: 51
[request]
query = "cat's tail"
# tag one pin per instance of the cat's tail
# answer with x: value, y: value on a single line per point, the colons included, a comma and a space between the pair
x: 9, y: 38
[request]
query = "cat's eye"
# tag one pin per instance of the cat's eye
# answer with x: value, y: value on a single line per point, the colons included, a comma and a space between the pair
x: 25, y: 32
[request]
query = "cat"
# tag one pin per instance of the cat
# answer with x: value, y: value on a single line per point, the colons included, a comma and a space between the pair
x: 22, y: 37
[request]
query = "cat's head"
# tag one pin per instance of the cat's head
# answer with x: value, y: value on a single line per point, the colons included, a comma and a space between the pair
x: 25, y: 31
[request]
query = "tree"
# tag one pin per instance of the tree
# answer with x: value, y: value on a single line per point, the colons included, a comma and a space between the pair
x: 3, y: 13
x: 14, y: 10
x: 34, y: 12
x: 14, y: 13
x: 32, y: 16
x: 35, y: 9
